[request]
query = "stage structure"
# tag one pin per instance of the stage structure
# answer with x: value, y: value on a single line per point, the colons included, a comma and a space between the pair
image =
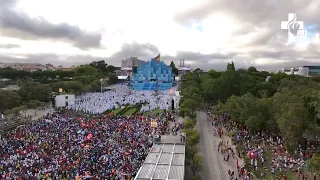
x: 64, y: 100
x: 153, y: 75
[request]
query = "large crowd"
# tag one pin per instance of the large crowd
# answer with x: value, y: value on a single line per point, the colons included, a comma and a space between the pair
x: 80, y: 142
x: 68, y: 144
x: 121, y: 95
x: 254, y: 146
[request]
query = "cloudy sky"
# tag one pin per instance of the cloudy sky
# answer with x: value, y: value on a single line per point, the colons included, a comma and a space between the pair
x: 206, y: 33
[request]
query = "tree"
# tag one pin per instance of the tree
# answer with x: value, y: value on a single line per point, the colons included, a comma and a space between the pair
x: 230, y: 67
x: 189, y: 123
x: 9, y: 99
x: 252, y: 69
x: 31, y: 90
x: 68, y: 86
x: 33, y: 104
x: 85, y: 70
x: 16, y: 110
x: 134, y: 69
x: 214, y: 74
x: 110, y: 69
x: 174, y: 69
x: 113, y: 79
x: 189, y: 104
x: 101, y: 65
x: 193, y: 137
x: 292, y: 118
x: 86, y: 79
x: 256, y: 123
x: 286, y: 105
x: 197, y: 177
x: 198, y: 70
x: 197, y: 164
x: 315, y: 163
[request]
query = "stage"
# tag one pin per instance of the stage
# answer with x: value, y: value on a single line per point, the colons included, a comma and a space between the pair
x: 153, y: 75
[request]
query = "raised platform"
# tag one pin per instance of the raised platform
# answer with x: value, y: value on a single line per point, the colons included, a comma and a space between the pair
x: 153, y: 75
x: 165, y: 161
x: 151, y: 86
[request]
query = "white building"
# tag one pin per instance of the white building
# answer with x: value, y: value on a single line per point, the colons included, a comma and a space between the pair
x: 183, y: 68
x: 128, y: 64
x: 65, y: 100
x: 290, y: 71
x: 307, y: 71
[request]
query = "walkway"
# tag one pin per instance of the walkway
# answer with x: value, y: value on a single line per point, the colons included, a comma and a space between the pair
x: 215, y: 167
x: 39, y: 112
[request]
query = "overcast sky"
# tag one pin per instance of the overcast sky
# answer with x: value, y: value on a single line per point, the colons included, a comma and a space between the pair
x: 206, y: 33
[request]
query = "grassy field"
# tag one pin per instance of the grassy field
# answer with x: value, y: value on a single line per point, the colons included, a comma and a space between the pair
x: 268, y: 158
x: 117, y: 111
x: 156, y: 111
x: 130, y: 111
x: 267, y: 164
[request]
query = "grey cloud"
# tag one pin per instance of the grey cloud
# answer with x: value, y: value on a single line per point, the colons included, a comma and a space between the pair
x: 50, y: 58
x: 147, y: 51
x: 15, y: 24
x: 142, y: 51
x: 253, y: 14
x: 9, y: 46
x: 250, y: 11
x: 288, y: 64
x: 7, y: 3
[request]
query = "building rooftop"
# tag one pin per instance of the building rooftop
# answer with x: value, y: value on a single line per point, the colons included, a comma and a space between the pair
x: 164, y: 162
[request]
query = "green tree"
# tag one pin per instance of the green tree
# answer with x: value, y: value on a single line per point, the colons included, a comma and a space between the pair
x: 174, y: 69
x: 214, y: 74
x: 33, y: 104
x: 68, y: 86
x: 189, y: 104
x: 86, y: 79
x: 252, y: 69
x: 9, y: 99
x: 230, y: 67
x: 110, y: 69
x: 113, y: 79
x: 134, y: 69
x: 101, y: 65
x: 193, y: 137
x: 315, y: 163
x: 292, y: 118
x: 189, y: 123
x: 31, y: 90
x: 197, y: 164
x: 256, y: 123
x: 85, y: 70
x: 16, y: 110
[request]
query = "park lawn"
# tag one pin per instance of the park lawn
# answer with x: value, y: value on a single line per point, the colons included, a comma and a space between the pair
x: 130, y: 111
x: 117, y: 111
x: 268, y: 160
x: 156, y: 111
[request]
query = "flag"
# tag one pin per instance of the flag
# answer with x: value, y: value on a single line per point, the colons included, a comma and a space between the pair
x: 157, y: 59
x: 89, y: 136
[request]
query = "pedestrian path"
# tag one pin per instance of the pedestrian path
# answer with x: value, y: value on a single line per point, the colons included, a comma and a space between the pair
x: 215, y: 166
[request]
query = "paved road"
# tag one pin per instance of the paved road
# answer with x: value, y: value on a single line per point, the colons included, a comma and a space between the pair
x: 215, y: 167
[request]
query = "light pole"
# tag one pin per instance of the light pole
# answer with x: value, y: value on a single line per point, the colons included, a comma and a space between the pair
x: 101, y: 84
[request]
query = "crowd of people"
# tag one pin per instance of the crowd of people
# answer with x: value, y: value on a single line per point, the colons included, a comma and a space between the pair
x: 121, y: 95
x: 253, y: 146
x: 81, y: 142
x: 69, y: 144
